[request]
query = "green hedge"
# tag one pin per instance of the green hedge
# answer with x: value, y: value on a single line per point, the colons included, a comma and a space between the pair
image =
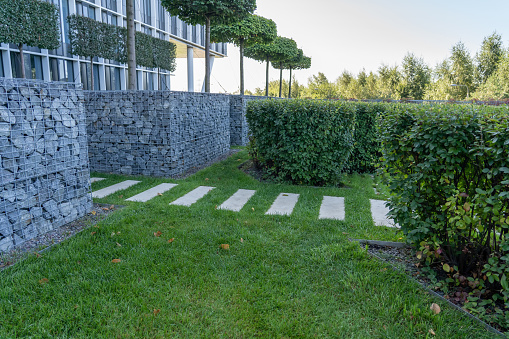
x: 301, y: 141
x: 448, y: 169
x: 366, y: 152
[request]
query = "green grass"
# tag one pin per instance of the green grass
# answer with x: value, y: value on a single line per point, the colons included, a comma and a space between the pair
x: 283, y: 277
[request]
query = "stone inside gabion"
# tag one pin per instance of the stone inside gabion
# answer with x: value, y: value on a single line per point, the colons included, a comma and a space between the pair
x: 44, y: 171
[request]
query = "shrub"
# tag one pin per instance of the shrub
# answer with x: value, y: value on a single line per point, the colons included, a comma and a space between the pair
x: 366, y: 151
x: 301, y: 141
x: 448, y: 169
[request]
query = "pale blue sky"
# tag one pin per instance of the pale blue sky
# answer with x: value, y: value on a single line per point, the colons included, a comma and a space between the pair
x: 351, y: 34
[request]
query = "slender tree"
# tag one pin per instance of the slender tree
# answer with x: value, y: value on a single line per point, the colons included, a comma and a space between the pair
x: 415, y: 76
x: 29, y: 22
x: 131, y: 46
x: 299, y: 62
x: 209, y: 12
x: 280, y: 49
x: 253, y: 29
x: 488, y: 57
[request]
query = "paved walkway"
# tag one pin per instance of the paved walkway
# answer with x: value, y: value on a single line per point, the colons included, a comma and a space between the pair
x: 331, y: 207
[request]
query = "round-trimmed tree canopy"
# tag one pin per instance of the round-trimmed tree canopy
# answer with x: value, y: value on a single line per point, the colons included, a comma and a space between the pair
x: 252, y: 30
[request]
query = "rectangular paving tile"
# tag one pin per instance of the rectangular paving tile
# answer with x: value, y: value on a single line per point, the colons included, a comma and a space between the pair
x: 284, y: 204
x: 379, y: 213
x: 237, y: 201
x: 92, y: 180
x: 152, y: 192
x: 332, y: 208
x: 114, y: 188
x: 193, y: 196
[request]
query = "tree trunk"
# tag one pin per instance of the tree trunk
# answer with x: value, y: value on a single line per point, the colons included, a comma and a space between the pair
x: 91, y: 74
x: 267, y: 79
x: 290, y: 85
x: 207, y: 56
x: 159, y: 84
x: 22, y: 60
x: 131, y: 43
x: 280, y: 79
x: 241, y: 47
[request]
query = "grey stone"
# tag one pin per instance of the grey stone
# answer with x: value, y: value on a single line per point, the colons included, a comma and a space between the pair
x: 6, y: 115
x: 5, y: 129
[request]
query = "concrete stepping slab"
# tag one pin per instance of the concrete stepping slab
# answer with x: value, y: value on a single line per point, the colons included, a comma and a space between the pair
x: 237, y: 201
x: 92, y: 180
x: 332, y: 208
x: 284, y: 204
x: 193, y: 196
x: 114, y: 188
x: 152, y: 192
x: 379, y: 213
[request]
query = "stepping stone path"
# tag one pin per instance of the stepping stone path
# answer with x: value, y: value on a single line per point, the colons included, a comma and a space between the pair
x: 237, y: 201
x: 379, y: 212
x: 112, y: 189
x: 193, y: 196
x: 331, y: 207
x: 284, y: 204
x: 152, y: 193
x: 92, y: 180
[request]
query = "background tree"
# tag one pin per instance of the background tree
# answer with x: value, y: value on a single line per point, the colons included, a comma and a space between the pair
x: 299, y: 62
x: 319, y: 87
x: 29, y: 22
x: 209, y: 12
x: 415, y: 76
x: 279, y: 49
x: 253, y: 29
x: 284, y: 50
x: 488, y: 57
x: 496, y: 86
x: 462, y: 69
x: 389, y: 82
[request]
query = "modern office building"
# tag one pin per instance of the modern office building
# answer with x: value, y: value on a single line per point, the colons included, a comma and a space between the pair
x: 150, y: 18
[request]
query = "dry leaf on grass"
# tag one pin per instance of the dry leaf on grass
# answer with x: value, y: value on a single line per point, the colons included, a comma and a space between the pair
x: 116, y: 260
x: 206, y: 179
x: 119, y: 245
x: 93, y: 212
x: 112, y: 207
x: 43, y: 281
x: 241, y: 240
x: 171, y: 240
x: 93, y: 233
x: 37, y: 254
x: 156, y: 311
x: 431, y: 331
x: 159, y: 194
x: 157, y: 234
x: 225, y: 246
x: 435, y: 308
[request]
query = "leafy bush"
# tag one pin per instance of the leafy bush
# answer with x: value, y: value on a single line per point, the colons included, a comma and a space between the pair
x: 366, y: 151
x: 301, y: 141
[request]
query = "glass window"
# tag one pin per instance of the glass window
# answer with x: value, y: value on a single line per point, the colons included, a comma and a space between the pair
x: 15, y: 65
x: 70, y: 71
x: 85, y: 75
x: 36, y: 63
x: 116, y: 78
x: 2, y: 74
x: 97, y: 84
x: 174, y: 25
x: 65, y: 12
x: 107, y: 77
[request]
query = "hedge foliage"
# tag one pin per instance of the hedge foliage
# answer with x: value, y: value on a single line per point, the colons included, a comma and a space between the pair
x: 301, y: 141
x: 367, y: 151
x: 91, y: 38
x: 448, y: 169
x: 30, y: 22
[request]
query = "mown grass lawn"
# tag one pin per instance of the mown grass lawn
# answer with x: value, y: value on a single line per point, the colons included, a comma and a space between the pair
x: 282, y: 277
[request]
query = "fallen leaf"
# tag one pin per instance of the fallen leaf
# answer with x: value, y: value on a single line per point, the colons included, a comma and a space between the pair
x: 93, y: 233
x: 156, y: 312
x: 93, y: 212
x: 119, y: 245
x: 105, y: 209
x: 435, y: 308
x: 171, y: 240
x: 96, y: 226
x: 225, y: 246
x: 239, y: 160
x: 159, y: 194
x: 252, y: 208
x: 206, y: 179
x: 112, y: 234
x: 43, y: 281
x: 116, y: 260
x: 112, y: 207
x: 241, y: 240
x: 121, y: 196
x: 118, y: 233
x: 216, y: 207
x: 285, y: 195
x: 37, y: 254
x: 344, y: 232
x: 431, y: 331
x: 158, y: 233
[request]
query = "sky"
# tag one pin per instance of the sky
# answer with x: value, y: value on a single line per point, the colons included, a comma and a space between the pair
x: 353, y: 35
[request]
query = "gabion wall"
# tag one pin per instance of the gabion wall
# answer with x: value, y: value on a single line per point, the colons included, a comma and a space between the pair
x: 156, y: 133
x: 44, y: 173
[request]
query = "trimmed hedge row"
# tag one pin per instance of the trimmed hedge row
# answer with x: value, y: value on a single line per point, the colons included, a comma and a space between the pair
x: 301, y: 141
x: 448, y: 169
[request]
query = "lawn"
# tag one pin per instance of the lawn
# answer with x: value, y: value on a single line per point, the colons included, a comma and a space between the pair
x: 282, y: 276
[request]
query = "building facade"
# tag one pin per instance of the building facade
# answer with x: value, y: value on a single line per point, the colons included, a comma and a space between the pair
x: 149, y: 17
